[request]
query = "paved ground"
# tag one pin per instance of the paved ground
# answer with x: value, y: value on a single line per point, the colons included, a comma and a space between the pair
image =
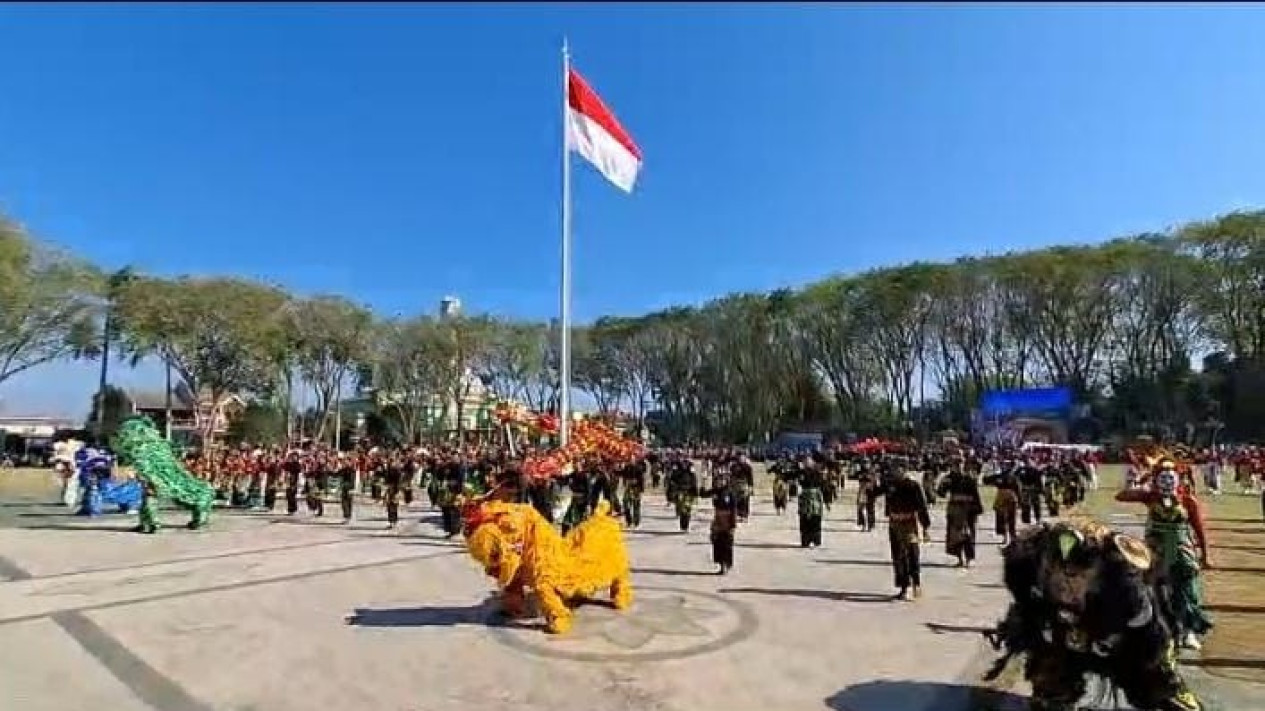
x: 265, y: 613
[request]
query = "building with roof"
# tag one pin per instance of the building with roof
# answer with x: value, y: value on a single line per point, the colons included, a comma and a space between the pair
x: 187, y: 412
x: 439, y: 419
x: 35, y: 427
x: 29, y: 439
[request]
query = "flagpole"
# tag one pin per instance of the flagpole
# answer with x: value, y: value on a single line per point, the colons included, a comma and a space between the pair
x: 564, y: 379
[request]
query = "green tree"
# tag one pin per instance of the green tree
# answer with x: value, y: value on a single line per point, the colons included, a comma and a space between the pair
x: 410, y: 373
x: 1120, y: 322
x: 331, y: 339
x: 519, y: 361
x: 1231, y: 300
x: 50, y: 304
x: 464, y: 342
x: 595, y: 367
x: 215, y: 334
x: 259, y: 424
x: 830, y: 322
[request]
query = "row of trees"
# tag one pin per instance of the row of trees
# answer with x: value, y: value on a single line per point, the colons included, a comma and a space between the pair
x: 881, y: 351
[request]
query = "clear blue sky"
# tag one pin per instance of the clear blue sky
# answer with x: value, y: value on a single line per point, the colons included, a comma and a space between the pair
x: 398, y: 153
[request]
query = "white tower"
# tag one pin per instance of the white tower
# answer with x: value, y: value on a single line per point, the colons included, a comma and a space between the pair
x: 449, y: 306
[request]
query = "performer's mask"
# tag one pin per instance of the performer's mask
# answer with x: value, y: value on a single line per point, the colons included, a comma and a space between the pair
x: 1166, y: 482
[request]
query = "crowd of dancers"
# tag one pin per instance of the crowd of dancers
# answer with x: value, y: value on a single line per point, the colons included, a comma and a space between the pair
x: 907, y: 484
x: 902, y: 485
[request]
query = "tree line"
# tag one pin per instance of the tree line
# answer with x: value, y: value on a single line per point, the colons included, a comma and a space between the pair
x: 893, y: 350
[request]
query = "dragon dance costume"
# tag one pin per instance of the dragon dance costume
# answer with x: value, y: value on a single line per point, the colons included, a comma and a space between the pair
x: 525, y: 554
x: 97, y: 486
x: 161, y: 474
x: 1085, y: 602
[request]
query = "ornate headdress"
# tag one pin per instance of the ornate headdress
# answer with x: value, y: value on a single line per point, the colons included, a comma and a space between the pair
x: 475, y: 513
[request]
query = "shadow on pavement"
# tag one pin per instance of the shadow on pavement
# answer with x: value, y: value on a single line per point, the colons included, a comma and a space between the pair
x: 121, y: 527
x: 761, y: 546
x: 334, y: 521
x: 60, y: 512
x: 893, y: 695
x: 1237, y: 609
x: 840, y: 596
x: 407, y: 539
x: 879, y: 563
x: 1246, y: 549
x: 1237, y: 569
x: 431, y: 542
x: 646, y: 532
x: 958, y: 629
x: 672, y: 572
x: 754, y: 545
x: 1225, y: 663
x: 482, y: 615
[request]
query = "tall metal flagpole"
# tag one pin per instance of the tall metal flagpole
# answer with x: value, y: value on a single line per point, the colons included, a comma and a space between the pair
x: 564, y: 380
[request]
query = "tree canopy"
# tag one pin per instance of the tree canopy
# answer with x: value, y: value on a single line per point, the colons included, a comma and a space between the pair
x: 49, y: 303
x: 908, y: 346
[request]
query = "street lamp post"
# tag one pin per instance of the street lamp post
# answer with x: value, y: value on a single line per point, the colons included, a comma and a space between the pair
x: 99, y: 425
x: 167, y: 402
x: 338, y: 416
x: 450, y: 312
x: 116, y: 282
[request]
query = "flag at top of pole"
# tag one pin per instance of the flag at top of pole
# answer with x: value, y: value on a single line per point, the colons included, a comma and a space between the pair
x: 595, y: 133
x: 590, y: 129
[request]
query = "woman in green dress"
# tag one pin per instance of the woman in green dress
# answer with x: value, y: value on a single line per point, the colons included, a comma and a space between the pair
x: 1177, y: 538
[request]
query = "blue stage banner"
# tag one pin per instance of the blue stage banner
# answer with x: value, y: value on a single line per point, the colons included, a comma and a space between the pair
x: 1012, y: 417
x: 1028, y: 401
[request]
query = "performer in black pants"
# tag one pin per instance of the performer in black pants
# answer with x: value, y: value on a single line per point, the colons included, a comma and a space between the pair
x: 812, y: 504
x: 908, y: 522
x: 724, y: 521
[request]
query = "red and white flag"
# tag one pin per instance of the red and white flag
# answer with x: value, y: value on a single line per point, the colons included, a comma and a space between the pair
x: 595, y: 133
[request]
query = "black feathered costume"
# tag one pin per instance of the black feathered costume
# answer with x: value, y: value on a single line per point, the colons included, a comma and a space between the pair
x: 1084, y: 603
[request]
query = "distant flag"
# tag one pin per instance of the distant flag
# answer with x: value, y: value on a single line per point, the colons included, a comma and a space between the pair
x: 595, y: 133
